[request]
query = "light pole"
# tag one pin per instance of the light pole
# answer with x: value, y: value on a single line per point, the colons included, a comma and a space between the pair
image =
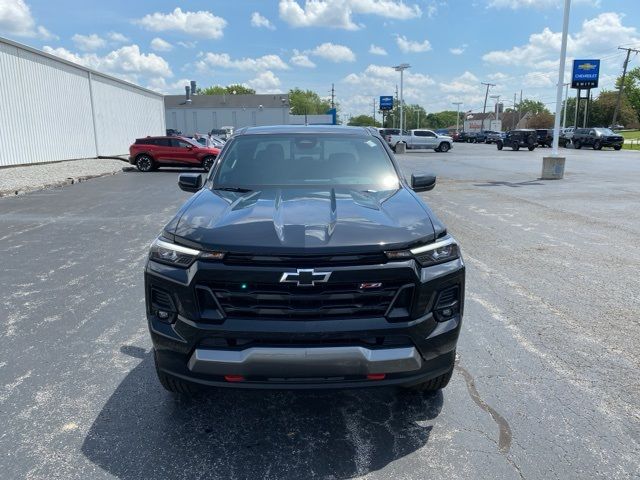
x: 495, y: 109
x: 563, y: 55
x: 457, y: 116
x: 401, y: 68
x: 553, y: 166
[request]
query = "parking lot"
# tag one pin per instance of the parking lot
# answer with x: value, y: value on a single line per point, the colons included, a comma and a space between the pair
x: 547, y: 383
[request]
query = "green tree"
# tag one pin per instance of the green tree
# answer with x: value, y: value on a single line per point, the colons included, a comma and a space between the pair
x: 443, y: 119
x: 631, y: 89
x: 532, y: 106
x: 601, y: 111
x: 363, y: 121
x: 233, y: 89
x: 307, y: 102
x: 541, y: 120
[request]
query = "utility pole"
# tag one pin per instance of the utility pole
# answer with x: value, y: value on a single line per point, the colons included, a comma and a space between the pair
x: 520, y: 108
x: 484, y: 108
x: 624, y: 74
x: 457, y: 116
x: 513, y: 122
x: 418, y: 125
x: 333, y: 97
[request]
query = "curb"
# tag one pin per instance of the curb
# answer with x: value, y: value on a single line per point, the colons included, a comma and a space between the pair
x: 62, y: 183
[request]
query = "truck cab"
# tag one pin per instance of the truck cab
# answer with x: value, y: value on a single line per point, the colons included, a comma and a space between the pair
x: 422, y: 139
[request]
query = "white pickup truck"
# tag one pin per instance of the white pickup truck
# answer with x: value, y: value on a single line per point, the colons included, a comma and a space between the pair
x: 419, y: 138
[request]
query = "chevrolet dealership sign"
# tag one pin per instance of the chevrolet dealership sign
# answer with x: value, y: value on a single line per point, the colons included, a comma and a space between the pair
x: 585, y: 74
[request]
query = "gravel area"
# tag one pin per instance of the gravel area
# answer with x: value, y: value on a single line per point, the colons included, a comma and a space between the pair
x: 22, y: 179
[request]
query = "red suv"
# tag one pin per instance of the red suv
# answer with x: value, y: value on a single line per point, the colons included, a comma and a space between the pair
x: 152, y: 152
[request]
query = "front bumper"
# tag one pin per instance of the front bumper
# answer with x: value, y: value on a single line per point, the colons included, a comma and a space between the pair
x: 297, y: 362
x: 303, y: 352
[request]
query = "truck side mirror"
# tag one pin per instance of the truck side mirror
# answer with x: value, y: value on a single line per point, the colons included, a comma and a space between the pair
x: 423, y: 183
x: 190, y: 182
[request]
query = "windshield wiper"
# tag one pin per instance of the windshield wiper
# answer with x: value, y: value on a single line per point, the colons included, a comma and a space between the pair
x: 234, y: 189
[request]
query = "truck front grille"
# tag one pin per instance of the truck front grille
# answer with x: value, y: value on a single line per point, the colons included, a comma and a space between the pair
x: 287, y: 301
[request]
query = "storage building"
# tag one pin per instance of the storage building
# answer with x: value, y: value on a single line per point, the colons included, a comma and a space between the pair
x: 52, y: 109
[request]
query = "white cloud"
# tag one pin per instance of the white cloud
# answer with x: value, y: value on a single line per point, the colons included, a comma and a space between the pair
x: 126, y: 61
x: 187, y: 44
x: 89, y: 43
x: 301, y: 60
x: 596, y: 35
x: 259, y: 21
x: 540, y: 79
x: 465, y: 83
x: 334, y: 53
x: 117, y: 37
x: 376, y: 50
x: 16, y: 19
x: 160, y: 84
x: 357, y: 90
x: 499, y: 76
x: 200, y: 24
x: 458, y: 50
x: 539, y: 4
x: 410, y: 46
x: 160, y: 45
x: 265, y: 82
x: 339, y: 13
x: 224, y: 60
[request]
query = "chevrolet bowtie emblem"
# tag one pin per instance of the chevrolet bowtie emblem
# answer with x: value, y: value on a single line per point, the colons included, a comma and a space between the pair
x: 586, y: 66
x: 305, y: 277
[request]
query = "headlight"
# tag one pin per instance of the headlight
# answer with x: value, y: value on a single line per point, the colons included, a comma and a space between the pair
x: 442, y: 251
x: 178, y: 255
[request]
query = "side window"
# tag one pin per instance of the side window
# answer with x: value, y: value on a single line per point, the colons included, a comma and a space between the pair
x: 179, y: 143
x: 429, y: 134
x: 418, y: 133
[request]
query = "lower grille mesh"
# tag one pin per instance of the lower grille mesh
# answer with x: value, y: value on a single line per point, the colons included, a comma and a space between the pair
x: 290, y: 301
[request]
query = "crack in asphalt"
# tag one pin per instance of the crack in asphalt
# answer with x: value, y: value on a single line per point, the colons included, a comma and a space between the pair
x: 504, y: 440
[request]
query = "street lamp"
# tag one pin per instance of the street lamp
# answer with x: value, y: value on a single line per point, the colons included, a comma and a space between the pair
x: 457, y: 116
x: 401, y: 68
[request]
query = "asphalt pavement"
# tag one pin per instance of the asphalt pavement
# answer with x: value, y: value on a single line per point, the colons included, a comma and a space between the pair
x: 547, y: 383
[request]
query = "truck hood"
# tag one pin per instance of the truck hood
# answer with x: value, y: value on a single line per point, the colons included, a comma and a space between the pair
x: 303, y: 220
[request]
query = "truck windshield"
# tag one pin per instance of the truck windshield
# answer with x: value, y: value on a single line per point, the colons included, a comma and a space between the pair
x: 259, y: 160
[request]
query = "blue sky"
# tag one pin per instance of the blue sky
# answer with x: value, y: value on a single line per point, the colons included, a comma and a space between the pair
x: 275, y: 45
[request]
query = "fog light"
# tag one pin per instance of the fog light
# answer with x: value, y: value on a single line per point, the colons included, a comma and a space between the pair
x: 162, y: 315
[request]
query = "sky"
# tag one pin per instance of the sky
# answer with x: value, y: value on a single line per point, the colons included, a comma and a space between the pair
x: 274, y: 45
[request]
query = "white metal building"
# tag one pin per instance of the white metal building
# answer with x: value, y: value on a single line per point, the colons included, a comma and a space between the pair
x: 203, y: 113
x: 52, y: 109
